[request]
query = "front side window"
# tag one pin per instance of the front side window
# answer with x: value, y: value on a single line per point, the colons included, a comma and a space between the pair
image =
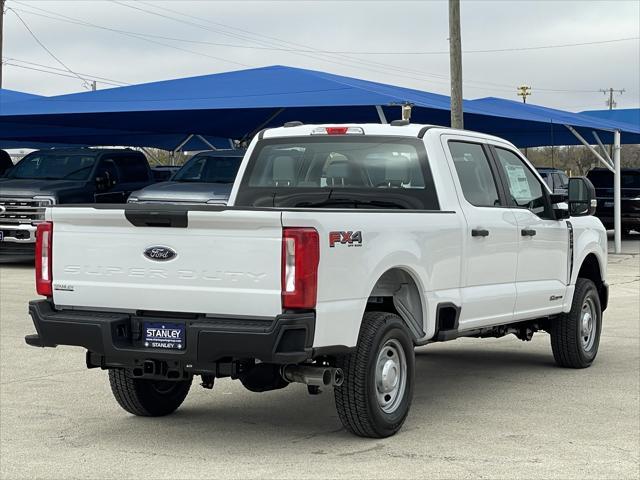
x: 54, y: 166
x: 341, y: 172
x: 477, y: 181
x: 524, y: 188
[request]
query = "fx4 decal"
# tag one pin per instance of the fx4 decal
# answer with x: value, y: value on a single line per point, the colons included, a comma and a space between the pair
x: 351, y: 239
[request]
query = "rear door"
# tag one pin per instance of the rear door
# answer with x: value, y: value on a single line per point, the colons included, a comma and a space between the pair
x: 491, y: 242
x: 207, y: 261
x: 543, y: 241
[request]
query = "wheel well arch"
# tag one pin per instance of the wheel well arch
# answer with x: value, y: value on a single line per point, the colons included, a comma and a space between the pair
x: 398, y: 291
x: 590, y: 269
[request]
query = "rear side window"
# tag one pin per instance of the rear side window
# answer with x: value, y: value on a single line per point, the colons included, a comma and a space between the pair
x: 476, y: 179
x: 341, y: 172
x: 210, y: 169
x: 133, y: 168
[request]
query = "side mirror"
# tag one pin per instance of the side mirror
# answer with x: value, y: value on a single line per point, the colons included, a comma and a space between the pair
x: 582, y: 197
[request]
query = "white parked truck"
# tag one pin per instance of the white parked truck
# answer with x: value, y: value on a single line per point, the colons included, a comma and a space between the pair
x: 342, y: 248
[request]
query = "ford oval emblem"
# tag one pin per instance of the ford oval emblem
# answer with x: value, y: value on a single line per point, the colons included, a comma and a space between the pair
x: 159, y: 253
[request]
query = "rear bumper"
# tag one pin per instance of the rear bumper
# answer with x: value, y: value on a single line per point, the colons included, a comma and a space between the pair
x: 115, y: 339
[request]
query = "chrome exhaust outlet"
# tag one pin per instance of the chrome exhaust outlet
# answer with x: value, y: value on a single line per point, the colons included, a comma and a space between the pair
x: 337, y: 377
x: 310, y: 375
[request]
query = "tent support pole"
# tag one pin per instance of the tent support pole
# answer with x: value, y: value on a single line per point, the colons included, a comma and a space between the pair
x: 206, y: 142
x: 149, y: 153
x: 381, y: 115
x: 602, y: 149
x: 591, y: 149
x: 183, y: 143
x: 262, y: 125
x: 617, y: 221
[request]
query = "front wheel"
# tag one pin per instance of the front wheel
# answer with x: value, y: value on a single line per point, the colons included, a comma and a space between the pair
x: 147, y: 398
x: 376, y: 394
x: 575, y: 336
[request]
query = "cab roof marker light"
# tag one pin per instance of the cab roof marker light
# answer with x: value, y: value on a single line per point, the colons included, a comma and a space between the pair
x: 338, y: 131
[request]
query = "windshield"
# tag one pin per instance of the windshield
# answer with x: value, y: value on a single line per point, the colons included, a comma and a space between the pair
x: 341, y: 172
x: 209, y: 169
x: 54, y: 166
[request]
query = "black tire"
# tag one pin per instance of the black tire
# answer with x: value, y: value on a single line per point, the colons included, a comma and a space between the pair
x: 568, y: 342
x: 357, y: 399
x: 147, y: 398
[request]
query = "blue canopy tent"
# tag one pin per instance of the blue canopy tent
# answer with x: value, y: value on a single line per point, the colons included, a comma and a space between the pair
x: 531, y: 125
x: 630, y: 116
x: 240, y: 103
x: 39, y: 134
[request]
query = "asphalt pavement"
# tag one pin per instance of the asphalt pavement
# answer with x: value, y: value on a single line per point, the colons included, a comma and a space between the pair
x: 496, y: 408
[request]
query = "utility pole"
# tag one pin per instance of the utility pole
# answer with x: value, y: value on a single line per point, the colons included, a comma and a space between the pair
x: 524, y: 91
x: 611, y: 103
x: 455, y: 64
x: 1, y: 35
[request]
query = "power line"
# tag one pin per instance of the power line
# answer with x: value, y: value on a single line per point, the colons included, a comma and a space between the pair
x: 442, y: 78
x: 377, y: 52
x: 269, y: 44
x: 60, y: 74
x: 66, y: 19
x: 89, y: 76
x: 376, y: 65
x: 83, y: 80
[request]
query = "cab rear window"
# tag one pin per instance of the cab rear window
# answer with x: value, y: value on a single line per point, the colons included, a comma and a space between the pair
x: 344, y: 172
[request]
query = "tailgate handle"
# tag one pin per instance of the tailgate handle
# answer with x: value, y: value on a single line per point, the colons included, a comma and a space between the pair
x: 152, y: 218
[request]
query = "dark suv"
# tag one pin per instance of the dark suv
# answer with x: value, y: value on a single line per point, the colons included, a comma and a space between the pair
x: 51, y: 177
x: 602, y: 179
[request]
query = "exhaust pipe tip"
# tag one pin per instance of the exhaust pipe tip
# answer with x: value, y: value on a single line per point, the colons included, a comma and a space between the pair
x: 312, y: 375
x: 337, y: 379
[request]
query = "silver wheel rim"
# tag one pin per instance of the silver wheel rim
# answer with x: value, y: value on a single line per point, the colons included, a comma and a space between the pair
x: 391, y: 376
x: 588, y: 326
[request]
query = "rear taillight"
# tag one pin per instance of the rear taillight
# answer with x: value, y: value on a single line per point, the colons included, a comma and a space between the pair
x: 300, y: 256
x: 44, y: 242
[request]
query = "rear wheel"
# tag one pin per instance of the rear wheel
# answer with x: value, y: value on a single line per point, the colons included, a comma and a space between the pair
x: 575, y: 336
x: 147, y: 398
x: 376, y: 394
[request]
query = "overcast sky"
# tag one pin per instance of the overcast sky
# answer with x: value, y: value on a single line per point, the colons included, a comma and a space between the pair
x: 562, y: 77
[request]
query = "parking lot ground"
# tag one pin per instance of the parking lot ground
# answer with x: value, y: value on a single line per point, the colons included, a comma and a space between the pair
x: 482, y: 409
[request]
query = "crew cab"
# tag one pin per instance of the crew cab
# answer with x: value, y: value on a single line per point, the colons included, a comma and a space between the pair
x: 206, y: 178
x: 602, y: 179
x: 54, y: 177
x: 341, y: 249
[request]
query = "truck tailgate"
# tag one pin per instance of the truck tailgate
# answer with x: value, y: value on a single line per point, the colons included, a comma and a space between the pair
x: 227, y: 262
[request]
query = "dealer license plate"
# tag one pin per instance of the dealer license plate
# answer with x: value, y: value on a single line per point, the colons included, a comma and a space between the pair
x: 164, y: 335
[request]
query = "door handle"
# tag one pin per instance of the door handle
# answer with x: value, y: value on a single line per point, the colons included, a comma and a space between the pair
x: 527, y: 232
x: 479, y: 232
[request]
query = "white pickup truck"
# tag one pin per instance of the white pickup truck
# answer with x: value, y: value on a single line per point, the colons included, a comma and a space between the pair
x: 342, y: 248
